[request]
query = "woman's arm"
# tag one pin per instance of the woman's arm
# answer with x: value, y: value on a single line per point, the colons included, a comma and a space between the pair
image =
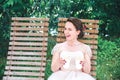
x: 57, y: 62
x: 87, y: 61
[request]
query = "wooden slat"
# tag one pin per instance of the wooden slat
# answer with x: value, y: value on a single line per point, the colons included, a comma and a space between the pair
x: 29, y: 38
x: 84, y: 41
x: 94, y: 57
x: 22, y: 78
x: 89, y: 21
x: 87, y: 31
x: 24, y: 68
x: 91, y: 36
x: 93, y: 73
x: 92, y: 31
x: 28, y: 29
x: 27, y: 18
x: 93, y: 63
x: 83, y: 20
x: 62, y: 19
x: 62, y: 25
x: 94, y: 52
x: 89, y: 41
x: 93, y: 68
x: 29, y: 24
x: 25, y: 58
x: 93, y: 47
x: 85, y: 36
x: 92, y: 26
x: 27, y: 48
x: 28, y: 34
x: 24, y: 73
x: 27, y: 43
x: 27, y: 53
x: 25, y: 63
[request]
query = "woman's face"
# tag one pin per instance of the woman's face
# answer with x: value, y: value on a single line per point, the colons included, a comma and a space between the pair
x: 70, y: 32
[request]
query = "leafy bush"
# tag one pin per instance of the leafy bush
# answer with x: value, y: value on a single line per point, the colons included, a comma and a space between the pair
x: 51, y: 43
x: 2, y: 65
x: 108, y: 60
x: 117, y: 41
x: 116, y: 65
x: 48, y: 69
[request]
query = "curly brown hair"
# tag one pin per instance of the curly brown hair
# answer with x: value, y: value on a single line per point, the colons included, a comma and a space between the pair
x: 78, y: 25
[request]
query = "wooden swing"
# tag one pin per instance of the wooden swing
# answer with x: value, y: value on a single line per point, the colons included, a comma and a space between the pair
x: 26, y: 58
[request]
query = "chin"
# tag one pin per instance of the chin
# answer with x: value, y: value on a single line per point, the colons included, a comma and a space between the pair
x: 68, y: 39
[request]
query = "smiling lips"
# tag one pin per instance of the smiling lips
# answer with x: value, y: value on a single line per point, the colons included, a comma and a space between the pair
x: 67, y: 36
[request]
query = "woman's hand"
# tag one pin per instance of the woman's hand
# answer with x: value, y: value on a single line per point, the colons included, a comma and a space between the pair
x: 57, y: 63
x: 61, y: 62
x: 82, y: 63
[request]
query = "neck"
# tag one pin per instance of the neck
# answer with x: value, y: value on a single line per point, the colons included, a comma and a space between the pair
x: 72, y: 43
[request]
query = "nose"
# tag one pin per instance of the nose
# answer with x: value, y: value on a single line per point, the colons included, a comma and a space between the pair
x: 66, y: 31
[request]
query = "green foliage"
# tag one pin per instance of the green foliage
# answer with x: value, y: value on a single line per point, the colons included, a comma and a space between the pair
x: 108, y: 60
x: 116, y: 65
x: 106, y: 11
x: 2, y: 65
x: 117, y: 41
x: 8, y: 9
x: 48, y: 71
x: 51, y: 44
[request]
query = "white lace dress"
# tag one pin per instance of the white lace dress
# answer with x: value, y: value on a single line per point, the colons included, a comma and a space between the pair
x: 72, y: 68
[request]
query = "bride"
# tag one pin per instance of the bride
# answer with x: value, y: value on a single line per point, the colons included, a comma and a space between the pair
x: 71, y: 59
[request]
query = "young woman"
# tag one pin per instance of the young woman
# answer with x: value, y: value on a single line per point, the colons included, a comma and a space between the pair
x: 71, y: 59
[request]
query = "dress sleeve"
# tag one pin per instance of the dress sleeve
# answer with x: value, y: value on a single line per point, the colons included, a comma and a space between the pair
x: 87, y: 61
x: 55, y: 49
x: 89, y: 51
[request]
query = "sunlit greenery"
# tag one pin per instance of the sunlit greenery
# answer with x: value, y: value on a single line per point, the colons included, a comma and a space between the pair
x: 108, y: 60
x: 107, y: 11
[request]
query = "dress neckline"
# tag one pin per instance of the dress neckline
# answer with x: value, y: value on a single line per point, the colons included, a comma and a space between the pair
x: 78, y: 51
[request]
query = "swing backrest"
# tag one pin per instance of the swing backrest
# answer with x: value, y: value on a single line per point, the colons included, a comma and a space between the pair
x: 26, y: 59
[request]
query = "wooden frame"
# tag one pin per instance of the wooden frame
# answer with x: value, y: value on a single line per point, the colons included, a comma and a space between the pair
x: 26, y: 58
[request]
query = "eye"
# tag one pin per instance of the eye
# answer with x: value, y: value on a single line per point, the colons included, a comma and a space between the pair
x: 64, y: 28
x: 69, y: 29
